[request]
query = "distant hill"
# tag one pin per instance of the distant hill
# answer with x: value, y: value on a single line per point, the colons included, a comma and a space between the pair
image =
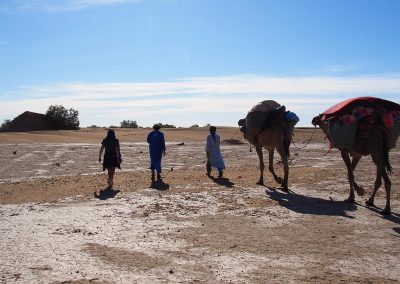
x: 30, y: 121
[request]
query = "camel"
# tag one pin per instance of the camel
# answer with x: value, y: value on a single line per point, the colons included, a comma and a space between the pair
x: 276, y: 133
x: 376, y: 144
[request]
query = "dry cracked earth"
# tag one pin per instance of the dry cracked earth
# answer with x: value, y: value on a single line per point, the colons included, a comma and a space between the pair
x: 58, y: 223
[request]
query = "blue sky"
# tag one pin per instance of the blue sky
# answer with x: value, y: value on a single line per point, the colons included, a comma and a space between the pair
x: 194, y: 61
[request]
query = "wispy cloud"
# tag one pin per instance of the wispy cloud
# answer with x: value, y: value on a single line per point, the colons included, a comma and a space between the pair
x: 340, y: 68
x: 177, y: 101
x: 59, y: 6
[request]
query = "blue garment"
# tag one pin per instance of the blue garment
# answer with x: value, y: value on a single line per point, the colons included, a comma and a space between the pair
x: 157, y: 147
x: 292, y: 116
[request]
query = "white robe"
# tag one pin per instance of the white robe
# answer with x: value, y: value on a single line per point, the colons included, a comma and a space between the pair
x: 214, y: 153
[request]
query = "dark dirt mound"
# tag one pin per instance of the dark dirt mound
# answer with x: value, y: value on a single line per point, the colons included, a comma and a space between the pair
x: 233, y: 142
x: 30, y: 121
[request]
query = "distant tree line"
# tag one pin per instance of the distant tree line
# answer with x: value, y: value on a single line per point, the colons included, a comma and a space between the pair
x: 6, y: 123
x: 56, y: 117
x: 129, y: 124
x: 63, y: 118
x: 68, y: 119
x: 166, y: 125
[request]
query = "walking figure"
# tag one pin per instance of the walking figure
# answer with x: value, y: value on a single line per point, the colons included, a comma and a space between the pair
x: 112, y: 155
x: 214, y: 156
x: 157, y: 150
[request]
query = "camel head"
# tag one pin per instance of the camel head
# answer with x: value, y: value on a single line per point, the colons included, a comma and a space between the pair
x: 316, y: 120
x: 323, y: 124
x: 242, y: 122
x: 243, y: 129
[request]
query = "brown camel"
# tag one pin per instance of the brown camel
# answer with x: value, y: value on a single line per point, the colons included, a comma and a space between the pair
x: 375, y: 144
x: 275, y: 134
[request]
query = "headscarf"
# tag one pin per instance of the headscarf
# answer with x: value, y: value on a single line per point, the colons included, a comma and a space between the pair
x: 110, y: 134
x: 213, y: 129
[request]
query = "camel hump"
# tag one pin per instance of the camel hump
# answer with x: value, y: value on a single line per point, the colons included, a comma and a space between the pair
x: 258, y: 115
x: 265, y: 106
x: 256, y: 121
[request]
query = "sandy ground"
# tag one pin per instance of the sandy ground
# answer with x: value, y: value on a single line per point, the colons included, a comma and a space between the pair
x: 58, y: 224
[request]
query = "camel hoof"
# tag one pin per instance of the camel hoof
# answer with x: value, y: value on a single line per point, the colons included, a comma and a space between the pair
x: 350, y: 200
x: 260, y: 183
x: 279, y: 180
x: 285, y: 189
x: 369, y: 203
x: 386, y: 212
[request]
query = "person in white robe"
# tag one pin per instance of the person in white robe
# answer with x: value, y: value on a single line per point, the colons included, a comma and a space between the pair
x: 214, y: 156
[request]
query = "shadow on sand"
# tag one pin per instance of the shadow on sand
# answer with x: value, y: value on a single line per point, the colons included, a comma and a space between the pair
x: 310, y: 205
x: 159, y: 184
x: 394, y: 217
x: 222, y: 181
x: 106, y: 193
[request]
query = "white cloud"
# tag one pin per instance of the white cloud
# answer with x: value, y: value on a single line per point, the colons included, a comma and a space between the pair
x: 227, y: 85
x: 178, y: 101
x: 340, y: 68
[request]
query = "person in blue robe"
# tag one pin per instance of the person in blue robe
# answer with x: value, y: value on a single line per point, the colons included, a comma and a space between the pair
x: 157, y: 150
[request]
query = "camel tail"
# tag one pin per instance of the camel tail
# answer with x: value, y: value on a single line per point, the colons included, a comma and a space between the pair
x: 389, y: 168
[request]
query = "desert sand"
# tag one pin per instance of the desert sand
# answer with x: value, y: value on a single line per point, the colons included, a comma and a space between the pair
x: 58, y: 224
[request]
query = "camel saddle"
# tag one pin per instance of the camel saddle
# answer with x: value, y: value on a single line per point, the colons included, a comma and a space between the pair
x: 263, y: 116
x: 355, y: 119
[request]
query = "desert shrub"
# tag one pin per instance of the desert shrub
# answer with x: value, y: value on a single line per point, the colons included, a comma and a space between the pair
x: 233, y: 142
x: 129, y: 124
x: 93, y: 126
x: 6, y: 124
x: 63, y: 118
x: 194, y: 126
x: 166, y: 125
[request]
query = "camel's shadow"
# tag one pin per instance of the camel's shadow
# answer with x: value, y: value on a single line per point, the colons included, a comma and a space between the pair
x: 222, y: 181
x: 394, y: 217
x: 310, y: 205
x: 106, y: 193
x: 159, y: 184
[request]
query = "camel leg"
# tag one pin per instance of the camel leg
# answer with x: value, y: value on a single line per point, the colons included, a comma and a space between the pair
x: 378, y: 183
x: 350, y: 175
x: 284, y: 158
x: 261, y: 159
x: 271, y: 167
x: 388, y: 185
x: 381, y: 172
x: 359, y: 189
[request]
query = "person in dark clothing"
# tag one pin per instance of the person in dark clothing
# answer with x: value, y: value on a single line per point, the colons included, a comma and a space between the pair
x: 157, y: 149
x: 112, y: 155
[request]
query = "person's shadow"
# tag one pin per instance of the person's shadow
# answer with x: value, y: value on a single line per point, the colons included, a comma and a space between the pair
x: 222, y: 181
x: 106, y: 193
x: 310, y: 205
x: 159, y: 184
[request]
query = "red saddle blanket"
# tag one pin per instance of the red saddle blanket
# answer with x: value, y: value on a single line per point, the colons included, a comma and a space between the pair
x: 346, y: 106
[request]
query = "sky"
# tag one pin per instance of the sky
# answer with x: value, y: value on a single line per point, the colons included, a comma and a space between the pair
x: 186, y: 62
